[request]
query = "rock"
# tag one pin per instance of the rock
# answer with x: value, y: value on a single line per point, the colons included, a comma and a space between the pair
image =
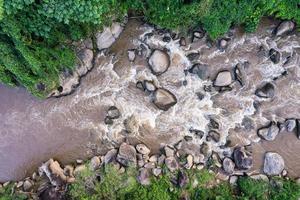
x: 182, y: 179
x: 40, y: 86
x: 166, y: 39
x: 19, y: 184
x: 260, y: 177
x: 171, y: 164
x: 153, y: 158
x: 274, y: 56
x: 79, y: 169
x: 188, y: 138
x: 126, y: 155
x: 189, y: 161
x: 298, y: 128
x: 140, y: 163
x: 164, y: 99
x: 144, y: 176
x: 269, y: 132
x: 228, y: 165
x: 200, y: 70
x: 243, y: 159
x: 54, y: 172
x: 223, y: 79
x: 159, y: 62
x: 233, y: 180
x: 110, y: 156
x: 27, y: 186
x: 143, y: 149
x: 131, y: 124
x: 95, y: 163
x: 108, y: 36
x: 149, y: 86
x: 197, y: 35
x: 131, y: 55
x: 204, y: 149
x: 284, y: 28
x: 108, y: 120
x: 156, y: 171
x: 169, y: 151
x: 273, y: 163
x: 52, y: 193
x: 182, y: 41
x: 222, y: 44
x: 149, y: 165
x: 290, y: 124
x: 140, y: 85
x: 214, y: 135
x: 213, y: 124
x: 113, y: 112
x: 86, y: 56
x: 221, y: 175
x: 284, y: 173
x: 266, y: 91
x: 239, y: 73
x: 193, y: 56
x: 161, y: 159
x: 69, y: 170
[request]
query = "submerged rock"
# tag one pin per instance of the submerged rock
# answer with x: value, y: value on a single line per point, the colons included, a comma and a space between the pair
x: 200, y: 70
x: 164, y: 99
x: 126, y: 155
x: 242, y: 158
x: 113, y: 112
x: 269, y: 132
x: 159, y: 62
x: 284, y: 28
x: 274, y: 56
x: 273, y: 163
x: 266, y: 91
x: 223, y: 79
x: 290, y: 124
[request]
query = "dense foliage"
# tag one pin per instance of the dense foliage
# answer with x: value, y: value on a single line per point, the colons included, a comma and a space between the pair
x: 35, y: 35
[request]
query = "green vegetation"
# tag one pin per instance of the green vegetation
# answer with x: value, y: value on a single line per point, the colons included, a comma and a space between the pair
x: 8, y: 193
x: 109, y: 184
x: 35, y: 36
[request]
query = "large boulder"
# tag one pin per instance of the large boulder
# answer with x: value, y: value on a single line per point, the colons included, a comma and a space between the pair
x: 266, y: 91
x: 269, y: 132
x: 200, y: 70
x: 273, y: 163
x: 243, y: 159
x: 284, y: 28
x: 164, y: 99
x: 159, y: 62
x: 54, y: 172
x: 108, y: 36
x: 274, y: 56
x: 223, y: 79
x: 228, y: 165
x: 127, y: 155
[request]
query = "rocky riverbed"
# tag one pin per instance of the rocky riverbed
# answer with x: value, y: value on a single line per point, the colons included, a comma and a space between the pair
x: 229, y: 100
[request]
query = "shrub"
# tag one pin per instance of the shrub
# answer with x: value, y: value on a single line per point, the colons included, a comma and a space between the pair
x: 8, y: 193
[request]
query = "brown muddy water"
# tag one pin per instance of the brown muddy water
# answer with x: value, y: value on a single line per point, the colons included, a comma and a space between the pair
x: 72, y: 127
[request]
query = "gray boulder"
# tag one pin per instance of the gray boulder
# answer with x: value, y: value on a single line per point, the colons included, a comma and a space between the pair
x: 269, y: 132
x: 223, y: 79
x: 284, y: 28
x: 164, y: 99
x: 126, y: 155
x: 266, y: 91
x: 273, y: 163
x: 159, y: 62
x: 242, y: 158
x: 228, y: 165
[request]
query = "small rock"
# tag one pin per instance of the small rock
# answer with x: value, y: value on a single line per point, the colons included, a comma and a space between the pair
x: 290, y: 125
x: 153, y: 158
x: 122, y: 170
x: 266, y: 91
x: 171, y: 164
x: 222, y: 44
x: 242, y: 158
x: 144, y: 176
x: 159, y: 62
x: 140, y: 163
x: 199, y: 158
x: 193, y: 56
x: 27, y: 186
x: 164, y: 99
x: 221, y: 175
x: 200, y: 70
x: 188, y: 138
x: 20, y: 184
x: 169, y: 151
x: 156, y: 171
x: 260, y: 177
x: 223, y: 79
x: 273, y: 163
x: 182, y: 179
x: 126, y: 155
x: 149, y: 86
x: 284, y: 28
x: 189, y: 161
x: 69, y: 170
x: 228, y: 165
x: 95, y: 163
x: 149, y: 165
x: 110, y: 156
x: 298, y: 128
x: 79, y: 161
x: 140, y: 85
x: 131, y: 55
x: 166, y: 39
x: 269, y: 132
x: 197, y: 35
x: 108, y: 121
x: 161, y: 159
x: 214, y: 135
x: 274, y: 56
x: 113, y: 112
x: 284, y: 173
x: 213, y: 124
x: 143, y: 149
x: 239, y: 73
x: 233, y: 180
x: 182, y: 41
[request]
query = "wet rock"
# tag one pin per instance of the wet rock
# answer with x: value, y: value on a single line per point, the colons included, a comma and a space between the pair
x: 214, y: 135
x: 182, y: 179
x: 149, y: 86
x: 156, y: 171
x: 222, y: 44
x: 266, y: 91
x: 298, y: 128
x: 126, y: 155
x: 95, y: 163
x: 110, y: 156
x: 290, y: 125
x: 169, y: 151
x: 239, y: 73
x: 27, y: 186
x: 273, y: 163
x: 166, y: 39
x: 228, y: 165
x: 54, y: 172
x: 108, y: 120
x: 200, y: 95
x: 108, y: 36
x: 164, y: 99
x: 193, y: 56
x: 269, y: 132
x: 113, y: 112
x: 159, y: 62
x: 213, y: 124
x: 182, y: 41
x: 200, y: 70
x: 274, y: 56
x: 131, y: 55
x: 144, y: 176
x: 140, y: 85
x: 242, y: 158
x: 143, y: 149
x: 171, y: 164
x: 198, y: 35
x: 260, y: 177
x: 223, y: 79
x: 284, y: 28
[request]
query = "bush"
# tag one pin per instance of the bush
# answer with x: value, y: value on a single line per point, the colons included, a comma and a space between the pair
x: 8, y: 193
